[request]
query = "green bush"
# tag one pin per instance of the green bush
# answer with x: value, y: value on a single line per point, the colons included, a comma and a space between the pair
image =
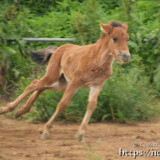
x: 14, y: 62
x: 86, y: 22
x: 156, y: 80
x: 126, y: 97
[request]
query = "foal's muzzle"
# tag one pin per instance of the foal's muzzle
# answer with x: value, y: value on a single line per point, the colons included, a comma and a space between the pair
x: 124, y: 56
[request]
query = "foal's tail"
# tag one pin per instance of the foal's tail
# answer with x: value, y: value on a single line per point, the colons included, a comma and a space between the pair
x: 42, y: 56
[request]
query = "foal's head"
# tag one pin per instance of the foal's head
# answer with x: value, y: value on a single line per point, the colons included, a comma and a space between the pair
x: 117, y: 36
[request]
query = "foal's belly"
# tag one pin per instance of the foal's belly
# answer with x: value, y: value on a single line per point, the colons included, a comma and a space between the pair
x: 95, y: 81
x: 92, y: 80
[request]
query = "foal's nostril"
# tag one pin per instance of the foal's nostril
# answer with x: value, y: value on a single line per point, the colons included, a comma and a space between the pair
x: 126, y: 57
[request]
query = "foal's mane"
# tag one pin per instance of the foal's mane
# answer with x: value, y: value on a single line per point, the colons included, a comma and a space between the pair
x: 115, y: 24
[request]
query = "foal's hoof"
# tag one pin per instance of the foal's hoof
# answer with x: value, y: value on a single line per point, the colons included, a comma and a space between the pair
x: 44, y: 136
x: 17, y: 115
x: 80, y: 137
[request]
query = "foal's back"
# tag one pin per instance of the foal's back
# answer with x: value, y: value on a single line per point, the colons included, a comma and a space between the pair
x: 72, y: 56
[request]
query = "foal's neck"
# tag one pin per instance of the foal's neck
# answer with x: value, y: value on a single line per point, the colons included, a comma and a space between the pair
x: 105, y: 57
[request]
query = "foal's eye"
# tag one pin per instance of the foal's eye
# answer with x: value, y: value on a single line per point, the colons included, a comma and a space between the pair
x: 114, y: 39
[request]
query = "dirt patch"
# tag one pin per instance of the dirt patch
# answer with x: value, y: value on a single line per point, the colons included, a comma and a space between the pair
x: 20, y: 141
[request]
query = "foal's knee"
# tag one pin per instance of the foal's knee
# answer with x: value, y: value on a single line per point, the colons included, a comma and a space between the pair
x: 33, y: 85
x: 47, y: 81
x: 35, y: 81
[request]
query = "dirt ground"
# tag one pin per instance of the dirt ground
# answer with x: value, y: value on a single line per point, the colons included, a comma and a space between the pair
x: 20, y: 140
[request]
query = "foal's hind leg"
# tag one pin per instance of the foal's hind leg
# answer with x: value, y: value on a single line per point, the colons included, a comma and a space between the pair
x: 52, y: 75
x: 26, y: 108
x: 11, y: 106
x: 58, y: 86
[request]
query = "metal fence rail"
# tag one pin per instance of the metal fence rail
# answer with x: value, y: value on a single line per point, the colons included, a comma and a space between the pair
x: 49, y: 39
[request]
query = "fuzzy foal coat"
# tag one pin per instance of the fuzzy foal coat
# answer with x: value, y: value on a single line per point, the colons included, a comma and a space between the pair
x: 72, y: 66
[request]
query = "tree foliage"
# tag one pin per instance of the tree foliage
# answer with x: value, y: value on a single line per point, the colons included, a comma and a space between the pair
x: 127, y: 96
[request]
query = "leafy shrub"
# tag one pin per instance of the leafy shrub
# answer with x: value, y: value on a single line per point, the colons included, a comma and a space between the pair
x: 13, y: 59
x: 126, y: 97
x: 86, y: 22
x: 157, y: 79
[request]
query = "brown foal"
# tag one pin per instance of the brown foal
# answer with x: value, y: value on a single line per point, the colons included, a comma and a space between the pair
x: 73, y: 66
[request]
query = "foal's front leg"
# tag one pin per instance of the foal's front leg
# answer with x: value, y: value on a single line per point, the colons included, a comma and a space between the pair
x: 68, y: 94
x: 93, y: 95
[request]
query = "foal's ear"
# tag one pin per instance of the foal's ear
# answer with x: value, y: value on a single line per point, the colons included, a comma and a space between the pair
x: 105, y: 28
x: 125, y: 26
